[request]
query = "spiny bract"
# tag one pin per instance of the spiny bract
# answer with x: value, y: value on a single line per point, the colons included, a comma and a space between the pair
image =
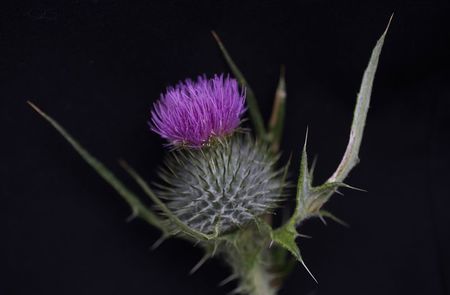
x: 222, y: 186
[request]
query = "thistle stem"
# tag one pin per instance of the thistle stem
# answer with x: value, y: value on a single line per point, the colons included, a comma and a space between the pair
x: 251, y: 260
x: 260, y: 281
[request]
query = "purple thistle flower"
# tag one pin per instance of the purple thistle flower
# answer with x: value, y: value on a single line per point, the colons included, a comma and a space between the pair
x: 193, y: 112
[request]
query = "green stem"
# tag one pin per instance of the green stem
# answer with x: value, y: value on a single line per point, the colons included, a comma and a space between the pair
x: 260, y: 281
x: 254, y: 279
x: 249, y: 254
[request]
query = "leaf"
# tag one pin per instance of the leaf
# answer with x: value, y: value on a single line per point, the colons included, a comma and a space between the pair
x: 309, y: 200
x: 138, y: 209
x: 303, y: 187
x: 319, y: 195
x: 350, y: 158
x: 182, y: 226
x: 285, y: 237
x: 276, y: 122
x: 253, y: 107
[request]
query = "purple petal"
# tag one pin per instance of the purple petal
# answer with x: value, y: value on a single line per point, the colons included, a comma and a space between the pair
x: 193, y: 112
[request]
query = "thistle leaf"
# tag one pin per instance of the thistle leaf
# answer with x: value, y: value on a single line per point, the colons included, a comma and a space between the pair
x: 309, y: 199
x: 175, y: 220
x: 137, y: 207
x: 276, y: 122
x: 303, y: 188
x: 319, y: 195
x: 253, y: 107
x: 350, y: 158
x: 285, y: 237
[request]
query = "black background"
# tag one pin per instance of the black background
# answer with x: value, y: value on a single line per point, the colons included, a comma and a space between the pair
x: 97, y: 66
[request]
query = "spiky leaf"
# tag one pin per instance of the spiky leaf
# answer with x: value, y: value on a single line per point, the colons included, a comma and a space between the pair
x: 253, y: 108
x: 350, y: 158
x: 285, y: 237
x: 276, y: 122
x: 137, y: 207
x: 172, y: 217
x: 309, y: 199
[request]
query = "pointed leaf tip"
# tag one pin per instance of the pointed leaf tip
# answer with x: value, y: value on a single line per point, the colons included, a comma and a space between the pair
x: 303, y: 185
x: 253, y: 108
x: 307, y: 269
x: 176, y: 221
x: 285, y: 237
x: 306, y: 138
x: 138, y: 209
x: 276, y: 121
x: 350, y: 158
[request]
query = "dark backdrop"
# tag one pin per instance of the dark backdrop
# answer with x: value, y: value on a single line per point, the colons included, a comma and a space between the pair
x: 97, y: 66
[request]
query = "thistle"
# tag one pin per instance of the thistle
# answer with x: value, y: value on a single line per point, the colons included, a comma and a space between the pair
x: 218, y: 186
x: 194, y: 112
x: 222, y: 187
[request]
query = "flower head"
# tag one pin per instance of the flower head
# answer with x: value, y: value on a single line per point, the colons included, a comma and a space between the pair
x: 193, y: 112
x: 221, y: 187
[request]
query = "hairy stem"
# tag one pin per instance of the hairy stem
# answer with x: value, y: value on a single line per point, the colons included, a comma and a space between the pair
x: 254, y: 279
x: 257, y: 282
x: 249, y: 254
x: 261, y: 281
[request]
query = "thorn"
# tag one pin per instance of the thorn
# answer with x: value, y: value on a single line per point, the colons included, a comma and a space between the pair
x: 158, y: 242
x: 34, y: 106
x: 322, y: 219
x: 338, y: 192
x: 199, y: 264
x: 238, y: 290
x: 304, y: 236
x: 216, y: 36
x: 389, y: 23
x: 227, y: 280
x: 271, y: 244
x: 352, y: 187
x: 342, y: 184
x: 306, y: 138
x: 328, y: 214
x: 215, y: 248
x: 341, y: 222
x: 132, y: 216
x: 307, y: 269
